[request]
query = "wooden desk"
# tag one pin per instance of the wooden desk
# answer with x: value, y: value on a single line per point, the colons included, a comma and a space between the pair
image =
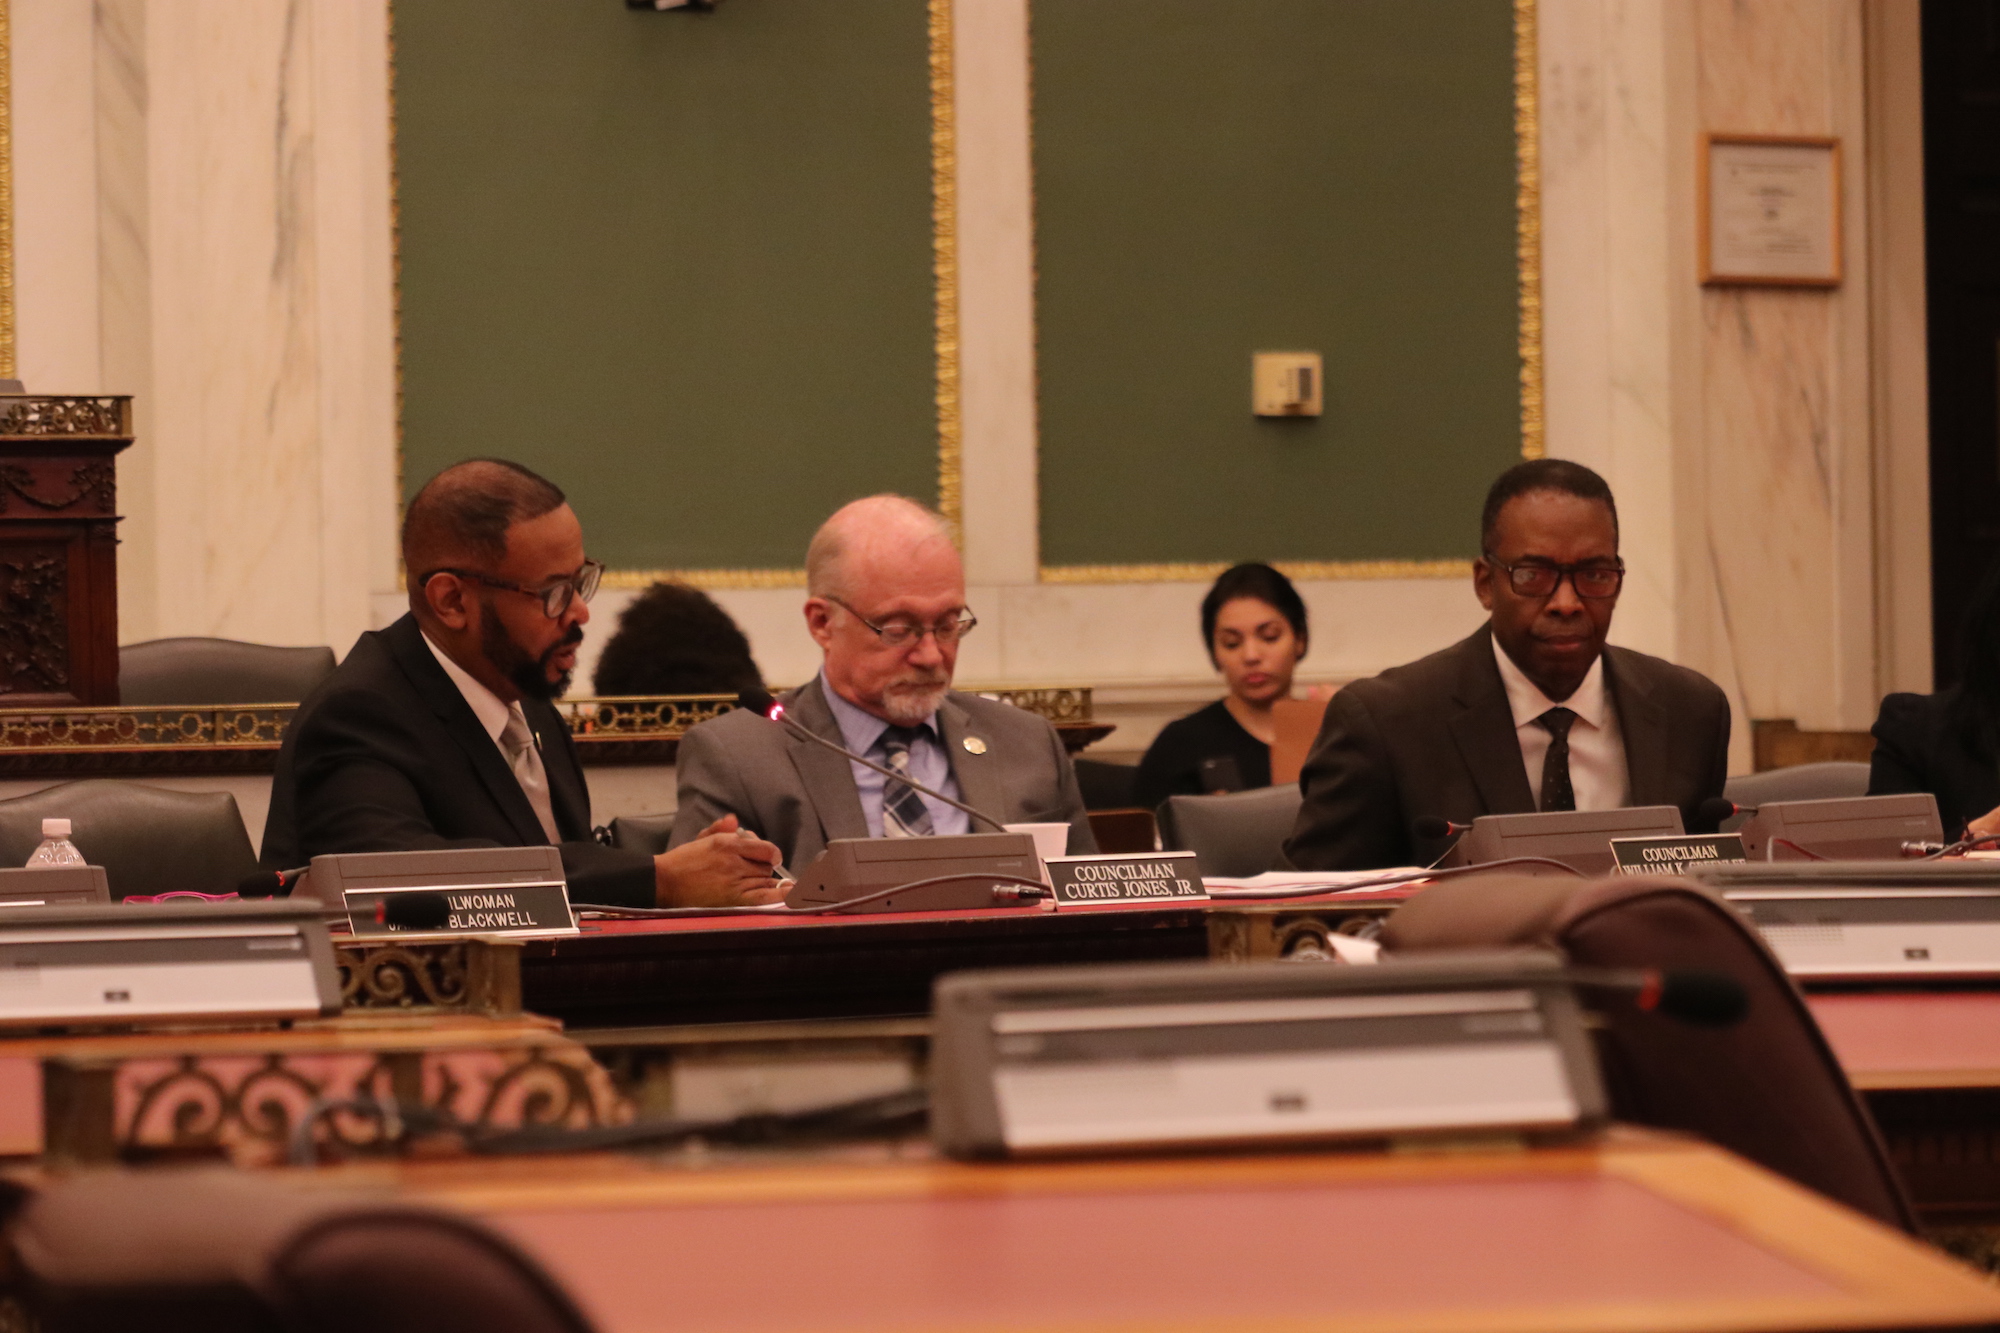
x: 751, y: 968
x: 1928, y: 1061
x: 1641, y: 1232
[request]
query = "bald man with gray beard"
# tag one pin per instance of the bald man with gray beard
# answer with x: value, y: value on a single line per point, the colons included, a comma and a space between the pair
x: 886, y: 604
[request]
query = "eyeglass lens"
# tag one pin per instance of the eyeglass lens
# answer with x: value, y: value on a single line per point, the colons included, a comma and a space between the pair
x: 557, y: 596
x: 901, y: 633
x: 1541, y: 580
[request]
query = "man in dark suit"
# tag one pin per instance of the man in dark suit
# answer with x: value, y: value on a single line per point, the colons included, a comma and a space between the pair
x: 1532, y: 712
x: 887, y: 606
x: 439, y: 731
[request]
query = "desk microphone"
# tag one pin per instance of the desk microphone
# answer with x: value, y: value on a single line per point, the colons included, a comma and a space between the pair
x: 1432, y: 827
x: 1718, y: 808
x: 270, y: 883
x: 1705, y: 999
x: 760, y: 701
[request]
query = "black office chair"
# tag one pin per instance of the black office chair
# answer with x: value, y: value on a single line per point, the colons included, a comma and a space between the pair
x: 1232, y: 833
x: 148, y: 839
x: 231, y: 1252
x: 1769, y: 1088
x: 173, y: 673
x: 1801, y: 782
x: 642, y: 833
x: 1106, y: 785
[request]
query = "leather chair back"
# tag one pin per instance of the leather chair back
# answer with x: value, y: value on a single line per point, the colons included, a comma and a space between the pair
x: 1233, y: 833
x: 1801, y: 782
x: 170, y: 673
x: 642, y: 833
x: 1769, y: 1088
x: 236, y: 1253
x: 148, y: 839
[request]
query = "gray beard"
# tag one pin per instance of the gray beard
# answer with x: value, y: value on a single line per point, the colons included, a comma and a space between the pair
x: 910, y: 706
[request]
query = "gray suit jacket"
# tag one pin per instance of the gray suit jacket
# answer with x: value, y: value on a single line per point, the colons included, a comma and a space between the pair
x: 1436, y: 737
x: 800, y: 795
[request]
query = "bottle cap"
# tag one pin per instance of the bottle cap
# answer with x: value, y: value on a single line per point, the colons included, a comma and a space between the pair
x: 55, y: 828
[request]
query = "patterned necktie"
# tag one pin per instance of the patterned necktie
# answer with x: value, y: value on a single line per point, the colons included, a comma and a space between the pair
x: 903, y: 812
x: 1557, y: 793
x: 517, y: 742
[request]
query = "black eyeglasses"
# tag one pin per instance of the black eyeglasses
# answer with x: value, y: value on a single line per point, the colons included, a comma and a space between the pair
x: 1538, y: 578
x: 903, y: 633
x: 555, y: 597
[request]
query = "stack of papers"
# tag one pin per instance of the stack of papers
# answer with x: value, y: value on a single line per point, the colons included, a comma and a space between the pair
x: 1326, y: 881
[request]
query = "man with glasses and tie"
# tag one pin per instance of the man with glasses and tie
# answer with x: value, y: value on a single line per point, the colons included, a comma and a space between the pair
x: 886, y: 604
x: 1533, y: 712
x: 439, y: 731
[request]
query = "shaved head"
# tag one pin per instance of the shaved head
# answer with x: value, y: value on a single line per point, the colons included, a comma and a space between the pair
x: 879, y: 529
x: 461, y: 516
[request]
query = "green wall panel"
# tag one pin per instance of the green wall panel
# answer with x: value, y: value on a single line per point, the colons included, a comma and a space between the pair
x: 1320, y: 175
x: 680, y: 263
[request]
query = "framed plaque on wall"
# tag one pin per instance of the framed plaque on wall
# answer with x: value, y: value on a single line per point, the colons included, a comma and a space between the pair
x: 1770, y: 210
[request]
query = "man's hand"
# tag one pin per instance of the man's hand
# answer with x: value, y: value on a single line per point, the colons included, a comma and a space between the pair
x: 1986, y: 826
x: 723, y: 867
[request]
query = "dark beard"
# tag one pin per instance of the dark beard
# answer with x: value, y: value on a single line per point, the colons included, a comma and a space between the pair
x: 529, y: 675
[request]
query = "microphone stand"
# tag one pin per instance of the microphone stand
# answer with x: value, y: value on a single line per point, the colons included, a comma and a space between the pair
x: 798, y: 730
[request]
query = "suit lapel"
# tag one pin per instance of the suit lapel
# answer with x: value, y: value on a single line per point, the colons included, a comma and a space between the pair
x: 826, y: 775
x: 1483, y: 729
x: 977, y: 771
x: 1642, y: 727
x: 442, y: 697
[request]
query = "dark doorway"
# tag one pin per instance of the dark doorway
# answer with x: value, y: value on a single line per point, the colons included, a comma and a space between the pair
x: 1962, y: 238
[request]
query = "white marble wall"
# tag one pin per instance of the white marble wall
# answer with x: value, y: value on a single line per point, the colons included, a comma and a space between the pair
x: 203, y: 218
x: 203, y: 192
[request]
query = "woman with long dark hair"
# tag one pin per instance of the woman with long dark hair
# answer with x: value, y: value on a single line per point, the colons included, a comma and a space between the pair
x: 1253, y: 622
x: 1948, y: 743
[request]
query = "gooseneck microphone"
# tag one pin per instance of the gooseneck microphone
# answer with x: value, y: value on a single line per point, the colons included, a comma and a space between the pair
x: 760, y: 701
x: 270, y: 883
x: 1432, y: 827
x: 1718, y: 808
x: 1704, y: 999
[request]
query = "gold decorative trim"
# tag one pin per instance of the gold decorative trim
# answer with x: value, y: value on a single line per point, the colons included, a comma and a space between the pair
x: 1528, y: 222
x: 1528, y: 259
x: 7, y: 362
x: 635, y: 579
x: 944, y: 248
x: 1293, y: 569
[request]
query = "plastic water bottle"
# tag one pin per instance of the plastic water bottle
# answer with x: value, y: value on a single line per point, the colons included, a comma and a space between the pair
x: 56, y: 848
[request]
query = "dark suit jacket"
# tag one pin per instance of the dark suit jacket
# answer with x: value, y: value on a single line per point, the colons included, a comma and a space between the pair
x: 800, y: 795
x: 1436, y: 737
x: 385, y: 755
x: 1919, y: 746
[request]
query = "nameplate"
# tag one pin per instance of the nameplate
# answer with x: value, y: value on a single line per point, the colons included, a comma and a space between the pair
x: 1677, y: 854
x: 1150, y: 878
x: 513, y: 910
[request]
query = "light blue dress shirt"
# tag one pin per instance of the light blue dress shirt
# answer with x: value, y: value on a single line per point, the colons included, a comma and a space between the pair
x: 929, y: 764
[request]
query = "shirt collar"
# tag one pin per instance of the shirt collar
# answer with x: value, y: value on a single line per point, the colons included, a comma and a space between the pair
x: 859, y: 729
x: 1591, y: 703
x: 491, y: 710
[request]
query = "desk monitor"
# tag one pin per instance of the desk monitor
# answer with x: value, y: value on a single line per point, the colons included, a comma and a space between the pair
x: 133, y: 963
x: 854, y: 867
x: 1847, y: 828
x: 53, y: 886
x: 1579, y: 838
x: 1867, y: 920
x: 1072, y: 1059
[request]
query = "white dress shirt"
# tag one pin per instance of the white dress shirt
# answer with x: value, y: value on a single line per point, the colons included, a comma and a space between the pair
x: 862, y: 731
x: 1597, y: 770
x: 494, y: 713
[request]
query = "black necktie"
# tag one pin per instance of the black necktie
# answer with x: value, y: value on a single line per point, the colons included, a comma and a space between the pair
x: 1557, y: 794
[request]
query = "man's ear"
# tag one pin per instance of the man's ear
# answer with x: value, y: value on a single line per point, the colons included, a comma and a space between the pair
x: 819, y: 620
x: 447, y: 597
x: 1482, y: 582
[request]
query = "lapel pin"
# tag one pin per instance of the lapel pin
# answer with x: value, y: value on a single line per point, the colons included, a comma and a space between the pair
x: 973, y: 745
